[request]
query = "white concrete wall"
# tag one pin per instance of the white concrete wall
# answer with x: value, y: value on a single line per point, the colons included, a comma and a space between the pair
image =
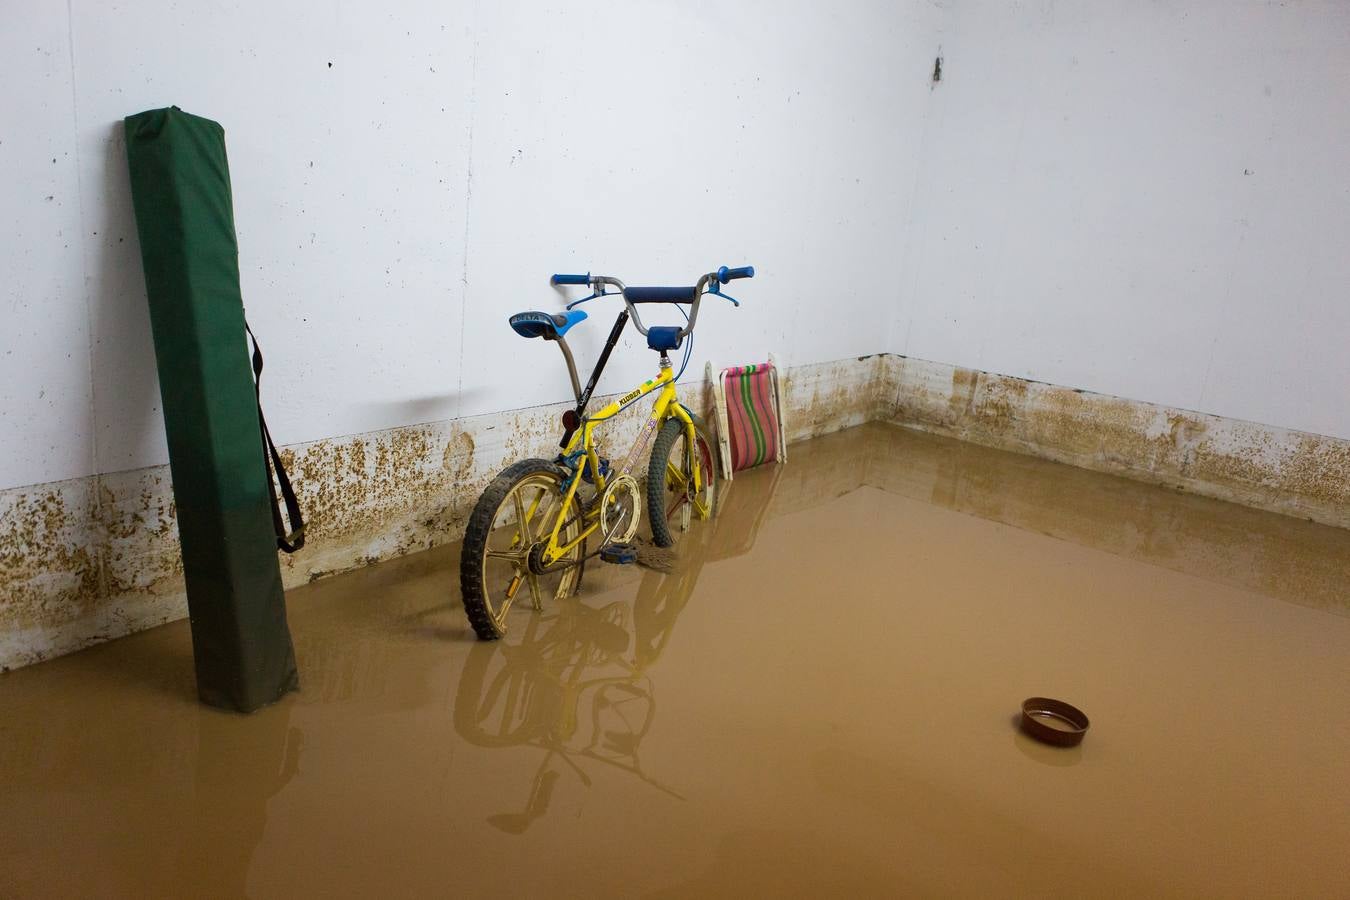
x: 406, y: 175
x: 1144, y: 199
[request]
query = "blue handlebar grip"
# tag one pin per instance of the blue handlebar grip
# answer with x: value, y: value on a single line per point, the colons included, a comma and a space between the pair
x: 725, y: 274
x: 572, y: 279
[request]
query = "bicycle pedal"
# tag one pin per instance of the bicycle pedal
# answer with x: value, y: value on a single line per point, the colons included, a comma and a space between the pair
x: 619, y: 554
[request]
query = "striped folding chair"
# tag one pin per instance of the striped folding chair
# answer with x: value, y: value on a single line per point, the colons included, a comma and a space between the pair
x: 750, y: 428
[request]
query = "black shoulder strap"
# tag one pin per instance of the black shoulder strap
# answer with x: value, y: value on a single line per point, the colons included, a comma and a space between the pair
x: 293, y: 541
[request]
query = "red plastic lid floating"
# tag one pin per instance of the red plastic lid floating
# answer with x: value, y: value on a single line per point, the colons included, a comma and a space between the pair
x: 1053, y: 721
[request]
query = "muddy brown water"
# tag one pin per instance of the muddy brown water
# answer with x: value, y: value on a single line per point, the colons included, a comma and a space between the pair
x: 821, y: 700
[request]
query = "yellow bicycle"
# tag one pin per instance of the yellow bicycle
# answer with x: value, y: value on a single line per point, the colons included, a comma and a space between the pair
x: 529, y: 529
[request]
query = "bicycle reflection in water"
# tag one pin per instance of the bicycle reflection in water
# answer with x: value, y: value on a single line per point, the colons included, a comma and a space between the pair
x: 530, y: 689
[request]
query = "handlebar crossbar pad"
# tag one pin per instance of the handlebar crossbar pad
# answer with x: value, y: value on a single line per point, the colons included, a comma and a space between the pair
x: 572, y: 279
x: 726, y: 274
x: 664, y: 337
x: 659, y: 294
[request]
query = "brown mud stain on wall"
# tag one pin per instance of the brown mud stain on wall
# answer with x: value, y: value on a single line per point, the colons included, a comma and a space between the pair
x: 374, y: 496
x: 1183, y: 429
x: 1112, y: 432
x: 50, y: 566
x: 999, y: 403
x: 457, y: 457
x: 1270, y: 468
x: 1302, y: 472
x: 826, y: 397
x: 963, y: 394
x: 140, y: 524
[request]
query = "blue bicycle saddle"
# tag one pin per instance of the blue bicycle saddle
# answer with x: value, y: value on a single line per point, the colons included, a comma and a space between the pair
x: 545, y: 325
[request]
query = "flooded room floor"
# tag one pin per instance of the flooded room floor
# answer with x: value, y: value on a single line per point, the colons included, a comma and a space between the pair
x: 820, y: 700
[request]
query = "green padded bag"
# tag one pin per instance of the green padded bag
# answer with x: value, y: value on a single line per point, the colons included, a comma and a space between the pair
x: 180, y: 187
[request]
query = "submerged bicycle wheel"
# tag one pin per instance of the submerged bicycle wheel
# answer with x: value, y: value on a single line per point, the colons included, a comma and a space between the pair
x: 681, y: 480
x: 501, y: 561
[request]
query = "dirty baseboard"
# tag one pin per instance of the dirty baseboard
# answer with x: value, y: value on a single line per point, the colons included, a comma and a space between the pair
x: 91, y: 559
x: 1281, y: 470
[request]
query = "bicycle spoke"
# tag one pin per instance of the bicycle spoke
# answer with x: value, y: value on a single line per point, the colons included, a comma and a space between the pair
x: 546, y: 517
x: 536, y: 599
x: 522, y: 522
x: 539, y: 511
x: 511, y: 590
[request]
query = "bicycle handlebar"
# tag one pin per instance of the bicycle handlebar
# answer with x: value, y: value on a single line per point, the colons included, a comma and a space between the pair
x: 725, y: 274
x: 692, y: 296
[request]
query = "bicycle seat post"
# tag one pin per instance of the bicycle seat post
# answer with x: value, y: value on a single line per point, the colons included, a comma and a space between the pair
x: 571, y: 365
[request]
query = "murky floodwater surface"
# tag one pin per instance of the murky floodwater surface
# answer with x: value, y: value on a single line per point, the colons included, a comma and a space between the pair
x: 820, y: 700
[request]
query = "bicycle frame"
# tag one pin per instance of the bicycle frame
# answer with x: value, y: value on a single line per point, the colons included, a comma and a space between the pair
x: 581, y: 444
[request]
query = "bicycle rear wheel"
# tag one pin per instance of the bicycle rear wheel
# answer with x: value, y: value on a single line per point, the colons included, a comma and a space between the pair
x: 500, y: 560
x: 681, y: 480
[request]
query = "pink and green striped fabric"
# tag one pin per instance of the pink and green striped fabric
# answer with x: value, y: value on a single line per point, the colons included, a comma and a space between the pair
x: 752, y: 417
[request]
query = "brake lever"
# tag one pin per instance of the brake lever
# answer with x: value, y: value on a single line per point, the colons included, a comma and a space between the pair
x: 600, y: 293
x: 718, y: 292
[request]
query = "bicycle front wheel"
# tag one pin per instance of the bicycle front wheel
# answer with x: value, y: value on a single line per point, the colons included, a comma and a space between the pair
x: 681, y: 480
x: 501, y: 560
